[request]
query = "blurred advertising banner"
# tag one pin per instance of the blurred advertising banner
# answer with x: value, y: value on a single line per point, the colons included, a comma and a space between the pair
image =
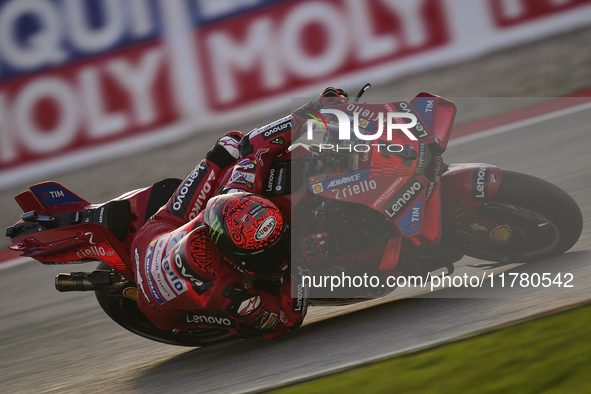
x: 86, y: 80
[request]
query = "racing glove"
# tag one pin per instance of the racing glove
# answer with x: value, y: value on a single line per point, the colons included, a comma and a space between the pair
x: 330, y: 96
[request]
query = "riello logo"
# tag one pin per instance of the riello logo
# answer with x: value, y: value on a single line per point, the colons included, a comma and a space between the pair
x: 393, y: 122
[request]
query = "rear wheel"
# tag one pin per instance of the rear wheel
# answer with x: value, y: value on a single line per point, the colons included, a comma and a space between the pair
x: 125, y: 312
x: 536, y: 220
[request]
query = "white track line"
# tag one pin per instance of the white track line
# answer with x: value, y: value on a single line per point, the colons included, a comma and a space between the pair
x: 519, y: 124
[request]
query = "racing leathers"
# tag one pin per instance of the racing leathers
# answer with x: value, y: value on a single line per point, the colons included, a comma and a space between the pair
x: 183, y: 281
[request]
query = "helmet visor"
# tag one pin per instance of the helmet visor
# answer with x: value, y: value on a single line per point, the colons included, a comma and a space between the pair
x: 269, y: 262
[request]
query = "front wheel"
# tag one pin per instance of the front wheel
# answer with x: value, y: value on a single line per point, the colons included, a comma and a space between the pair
x: 125, y: 312
x: 539, y: 219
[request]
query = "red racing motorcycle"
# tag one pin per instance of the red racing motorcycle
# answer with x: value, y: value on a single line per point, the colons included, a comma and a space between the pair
x: 389, y: 206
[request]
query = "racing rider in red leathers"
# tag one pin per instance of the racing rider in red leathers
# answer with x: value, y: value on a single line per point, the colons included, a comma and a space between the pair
x: 222, y: 262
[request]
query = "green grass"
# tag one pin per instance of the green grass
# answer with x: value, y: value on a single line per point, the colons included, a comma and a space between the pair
x: 551, y: 354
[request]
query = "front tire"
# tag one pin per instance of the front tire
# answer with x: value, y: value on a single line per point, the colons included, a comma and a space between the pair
x: 544, y: 219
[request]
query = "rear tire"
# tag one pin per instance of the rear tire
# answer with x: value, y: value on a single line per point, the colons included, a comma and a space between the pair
x: 545, y: 221
x: 125, y: 312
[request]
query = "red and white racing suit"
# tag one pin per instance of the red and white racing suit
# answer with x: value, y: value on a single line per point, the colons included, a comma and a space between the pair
x: 182, y: 279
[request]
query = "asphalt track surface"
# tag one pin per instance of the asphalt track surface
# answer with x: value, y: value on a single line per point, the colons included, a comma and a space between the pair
x: 62, y: 342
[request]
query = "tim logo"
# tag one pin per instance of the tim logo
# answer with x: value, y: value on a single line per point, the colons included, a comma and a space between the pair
x: 52, y: 194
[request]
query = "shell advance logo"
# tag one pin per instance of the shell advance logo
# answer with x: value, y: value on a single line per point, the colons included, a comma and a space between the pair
x: 394, y: 120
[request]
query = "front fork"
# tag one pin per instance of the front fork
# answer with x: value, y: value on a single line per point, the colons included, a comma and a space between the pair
x: 465, y: 188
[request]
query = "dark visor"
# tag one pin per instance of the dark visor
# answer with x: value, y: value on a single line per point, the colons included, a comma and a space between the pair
x: 271, y: 260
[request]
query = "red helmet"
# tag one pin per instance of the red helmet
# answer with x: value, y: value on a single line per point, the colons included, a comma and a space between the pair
x: 250, y: 232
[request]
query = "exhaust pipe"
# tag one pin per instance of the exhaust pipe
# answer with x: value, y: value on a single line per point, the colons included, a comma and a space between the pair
x: 85, y: 281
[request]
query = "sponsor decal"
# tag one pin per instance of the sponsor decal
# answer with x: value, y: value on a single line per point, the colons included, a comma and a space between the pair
x: 391, y: 189
x: 148, y: 264
x: 179, y: 286
x: 344, y: 180
x: 138, y: 275
x: 216, y: 230
x: 265, y: 228
x: 302, y: 61
x: 211, y: 318
x: 298, y: 301
x: 259, y: 155
x: 371, y: 115
x: 275, y: 131
x: 131, y: 293
x: 157, y: 270
x: 457, y: 208
x: 366, y: 156
x: 249, y: 306
x: 270, y: 322
x: 436, y: 174
x: 282, y: 317
x: 202, y: 197
x: 478, y: 227
x: 243, y: 175
x: 244, y: 182
x: 53, y: 194
x: 255, y: 210
x: 281, y: 179
x: 96, y: 251
x: 340, y: 181
x: 278, y: 141
x: 480, y: 183
x: 175, y: 239
x: 198, y: 284
x: 351, y: 190
x: 75, y: 217
x: 494, y: 178
x: 418, y: 131
x: 230, y: 144
x: 425, y: 106
x: 270, y: 180
x: 401, y: 199
x: 389, y: 107
x: 183, y: 195
x: 246, y: 165
x: 437, y: 171
x: 317, y: 188
x: 424, y: 157
x: 501, y: 234
x: 101, y: 214
x: 409, y: 223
